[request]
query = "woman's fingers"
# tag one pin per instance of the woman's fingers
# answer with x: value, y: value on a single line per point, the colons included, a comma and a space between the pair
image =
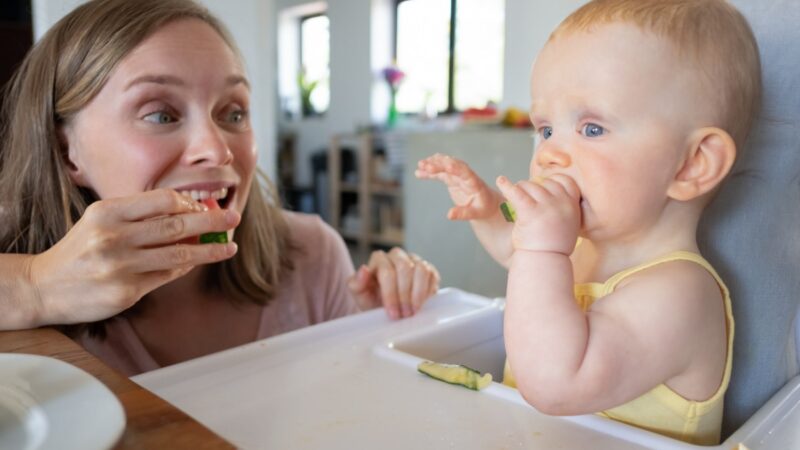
x: 176, y: 256
x: 384, y: 272
x: 147, y: 205
x: 171, y: 229
x: 404, y: 271
x: 404, y: 281
x: 425, y: 284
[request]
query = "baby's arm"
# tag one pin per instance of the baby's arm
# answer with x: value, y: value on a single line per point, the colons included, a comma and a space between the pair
x: 474, y: 201
x: 664, y: 325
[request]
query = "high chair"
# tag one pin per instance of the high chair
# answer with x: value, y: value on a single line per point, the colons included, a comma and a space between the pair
x: 751, y: 233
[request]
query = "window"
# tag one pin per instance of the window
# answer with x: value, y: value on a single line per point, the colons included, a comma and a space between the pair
x: 451, y: 52
x: 314, y: 74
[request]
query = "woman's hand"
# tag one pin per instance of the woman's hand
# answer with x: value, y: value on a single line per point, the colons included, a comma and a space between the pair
x: 120, y: 250
x: 473, y: 198
x: 399, y: 281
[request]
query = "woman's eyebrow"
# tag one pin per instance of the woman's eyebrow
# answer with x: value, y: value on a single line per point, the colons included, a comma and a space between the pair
x: 156, y: 79
x: 231, y: 80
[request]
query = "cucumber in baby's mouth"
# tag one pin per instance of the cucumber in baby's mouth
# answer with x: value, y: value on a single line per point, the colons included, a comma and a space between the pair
x: 214, y: 237
x: 508, y: 211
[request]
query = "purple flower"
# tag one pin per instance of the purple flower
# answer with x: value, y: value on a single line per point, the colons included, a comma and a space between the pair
x: 394, y: 76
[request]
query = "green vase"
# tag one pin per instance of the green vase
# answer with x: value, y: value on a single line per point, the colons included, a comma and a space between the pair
x: 391, y: 118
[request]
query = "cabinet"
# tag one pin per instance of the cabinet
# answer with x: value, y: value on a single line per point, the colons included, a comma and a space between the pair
x: 366, y: 202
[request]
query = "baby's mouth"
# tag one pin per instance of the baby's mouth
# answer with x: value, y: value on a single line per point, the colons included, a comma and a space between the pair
x: 222, y: 196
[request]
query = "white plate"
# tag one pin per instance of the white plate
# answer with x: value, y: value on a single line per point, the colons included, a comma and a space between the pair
x: 46, y: 403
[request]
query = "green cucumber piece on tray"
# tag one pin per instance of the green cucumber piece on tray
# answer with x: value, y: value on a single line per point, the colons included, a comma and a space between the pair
x: 456, y: 374
x: 508, y: 212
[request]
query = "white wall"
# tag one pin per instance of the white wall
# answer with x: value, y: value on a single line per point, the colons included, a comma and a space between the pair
x: 249, y: 24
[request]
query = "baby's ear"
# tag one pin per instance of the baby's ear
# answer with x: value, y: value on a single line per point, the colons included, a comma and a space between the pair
x: 709, y: 158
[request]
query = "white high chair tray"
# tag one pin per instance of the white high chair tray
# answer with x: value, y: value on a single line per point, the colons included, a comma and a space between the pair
x: 353, y: 383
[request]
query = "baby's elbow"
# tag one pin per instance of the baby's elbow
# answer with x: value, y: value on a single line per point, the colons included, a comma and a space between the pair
x: 558, y: 398
x: 547, y: 398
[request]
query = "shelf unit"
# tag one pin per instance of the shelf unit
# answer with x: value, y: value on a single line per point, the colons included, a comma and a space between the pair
x: 369, y: 192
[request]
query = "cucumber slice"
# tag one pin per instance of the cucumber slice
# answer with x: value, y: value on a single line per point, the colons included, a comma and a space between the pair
x: 214, y: 237
x: 456, y: 374
x: 218, y: 237
x: 508, y: 212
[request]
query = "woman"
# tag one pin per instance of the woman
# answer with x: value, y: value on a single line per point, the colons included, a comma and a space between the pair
x: 123, y: 125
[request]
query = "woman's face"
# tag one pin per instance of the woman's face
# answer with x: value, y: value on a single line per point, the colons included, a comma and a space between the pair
x: 173, y: 114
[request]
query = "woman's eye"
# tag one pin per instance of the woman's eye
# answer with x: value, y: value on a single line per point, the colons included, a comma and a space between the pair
x: 593, y: 130
x: 547, y: 132
x: 237, y: 116
x: 160, y: 117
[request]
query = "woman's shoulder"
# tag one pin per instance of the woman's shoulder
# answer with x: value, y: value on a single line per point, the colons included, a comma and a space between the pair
x: 308, y: 229
x: 313, y: 237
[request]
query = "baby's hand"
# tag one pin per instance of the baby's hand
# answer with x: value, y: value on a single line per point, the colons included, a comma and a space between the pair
x: 548, y: 213
x: 473, y: 198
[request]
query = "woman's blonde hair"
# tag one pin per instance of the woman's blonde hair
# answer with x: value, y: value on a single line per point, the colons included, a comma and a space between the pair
x: 712, y: 35
x: 62, y: 73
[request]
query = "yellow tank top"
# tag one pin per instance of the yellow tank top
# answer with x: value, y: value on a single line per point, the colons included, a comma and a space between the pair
x: 662, y: 410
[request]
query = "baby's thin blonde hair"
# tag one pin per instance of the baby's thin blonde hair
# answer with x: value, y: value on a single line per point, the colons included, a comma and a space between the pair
x: 710, y: 35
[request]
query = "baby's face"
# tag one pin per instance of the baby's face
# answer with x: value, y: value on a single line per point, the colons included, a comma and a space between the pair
x: 173, y: 114
x: 613, y: 110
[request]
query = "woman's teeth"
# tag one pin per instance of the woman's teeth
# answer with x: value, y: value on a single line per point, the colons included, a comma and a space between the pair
x: 202, y: 195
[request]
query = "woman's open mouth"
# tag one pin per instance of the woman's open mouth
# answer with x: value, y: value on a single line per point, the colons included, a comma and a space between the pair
x: 222, y: 196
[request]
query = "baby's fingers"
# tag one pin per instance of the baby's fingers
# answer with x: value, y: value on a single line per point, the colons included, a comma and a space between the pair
x: 562, y: 185
x: 464, y: 212
x: 439, y: 164
x: 515, y: 193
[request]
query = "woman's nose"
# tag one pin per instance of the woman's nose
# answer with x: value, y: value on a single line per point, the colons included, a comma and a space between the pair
x: 551, y: 156
x: 208, y: 146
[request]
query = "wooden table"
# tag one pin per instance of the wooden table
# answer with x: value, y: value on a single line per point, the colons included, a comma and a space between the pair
x: 151, y: 421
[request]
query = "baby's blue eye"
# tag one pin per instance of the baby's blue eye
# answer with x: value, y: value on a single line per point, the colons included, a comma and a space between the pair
x: 593, y: 130
x: 159, y: 117
x: 547, y: 132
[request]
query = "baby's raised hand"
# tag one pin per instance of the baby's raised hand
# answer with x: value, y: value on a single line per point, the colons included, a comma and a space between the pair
x: 473, y: 198
x: 548, y: 213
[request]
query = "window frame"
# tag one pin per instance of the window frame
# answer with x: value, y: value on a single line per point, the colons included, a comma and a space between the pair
x: 300, y: 21
x: 451, y: 64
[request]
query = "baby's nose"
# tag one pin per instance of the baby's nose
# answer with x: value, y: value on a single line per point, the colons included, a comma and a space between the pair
x: 552, y: 157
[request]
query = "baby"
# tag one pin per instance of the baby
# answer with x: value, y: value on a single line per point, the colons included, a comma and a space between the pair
x: 639, y: 107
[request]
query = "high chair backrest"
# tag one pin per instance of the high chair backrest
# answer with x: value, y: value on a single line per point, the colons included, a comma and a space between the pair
x: 751, y: 231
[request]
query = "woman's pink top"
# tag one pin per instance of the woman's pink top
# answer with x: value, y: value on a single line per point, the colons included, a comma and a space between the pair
x: 315, y: 291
